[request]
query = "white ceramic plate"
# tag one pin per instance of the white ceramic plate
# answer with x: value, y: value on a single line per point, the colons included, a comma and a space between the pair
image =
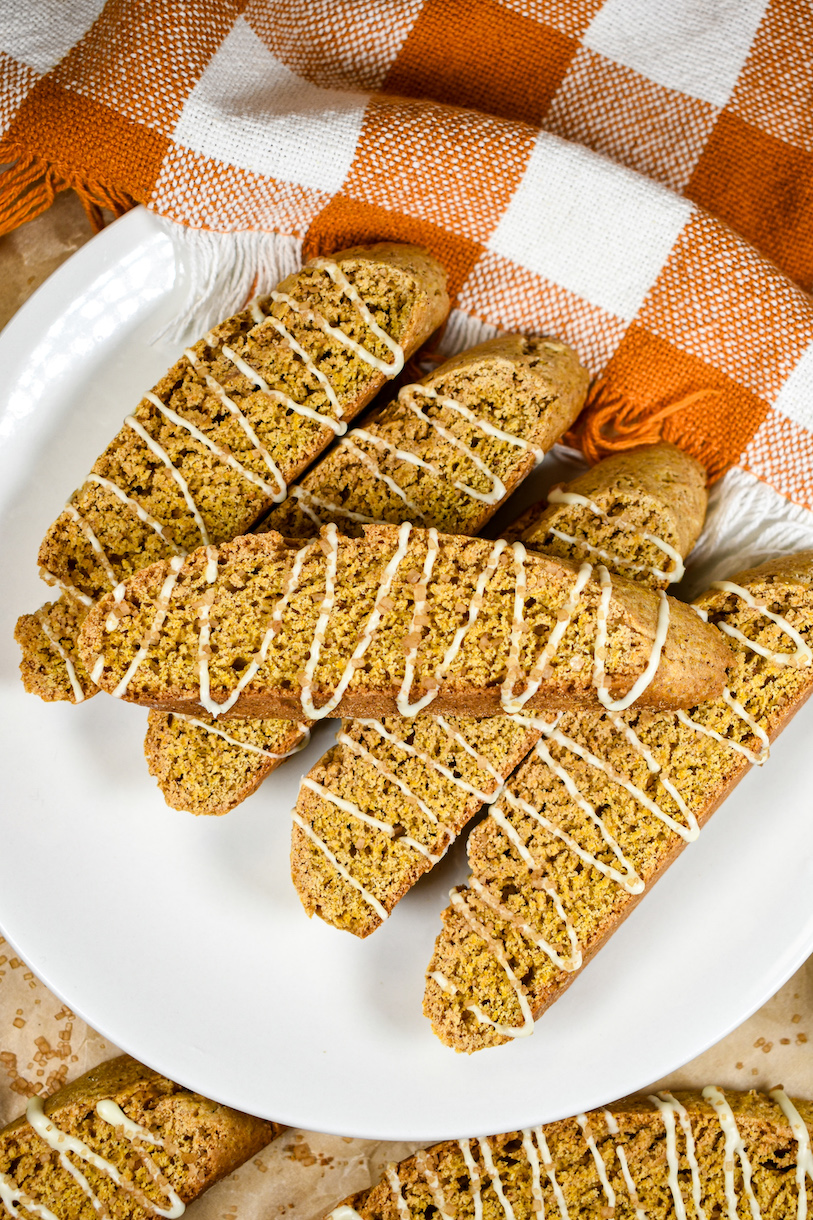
x: 182, y: 939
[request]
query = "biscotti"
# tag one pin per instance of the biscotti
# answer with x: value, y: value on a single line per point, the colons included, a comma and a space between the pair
x: 709, y: 1153
x: 396, y: 621
x: 602, y: 807
x: 449, y: 450
x: 412, y: 460
x: 639, y: 512
x: 51, y: 666
x: 121, y: 1141
x: 214, y: 445
x: 386, y: 801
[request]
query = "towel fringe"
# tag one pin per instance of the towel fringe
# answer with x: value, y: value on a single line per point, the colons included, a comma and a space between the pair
x: 30, y: 183
x: 610, y: 423
x: 221, y: 272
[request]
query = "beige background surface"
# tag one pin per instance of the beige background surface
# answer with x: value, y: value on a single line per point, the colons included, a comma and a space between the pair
x: 43, y: 1045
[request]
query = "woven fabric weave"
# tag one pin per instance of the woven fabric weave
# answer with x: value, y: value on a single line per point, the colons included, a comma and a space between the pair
x: 631, y: 175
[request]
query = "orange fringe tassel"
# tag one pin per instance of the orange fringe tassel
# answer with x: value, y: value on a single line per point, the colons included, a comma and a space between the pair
x: 609, y: 423
x: 30, y: 184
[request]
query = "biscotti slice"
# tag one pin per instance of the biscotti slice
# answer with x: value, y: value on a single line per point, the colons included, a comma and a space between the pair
x: 51, y: 666
x: 709, y: 1153
x: 376, y: 812
x: 214, y: 445
x: 449, y: 450
x: 207, y: 767
x: 602, y: 807
x: 638, y: 512
x: 393, y: 622
x: 121, y: 1141
x: 533, y: 386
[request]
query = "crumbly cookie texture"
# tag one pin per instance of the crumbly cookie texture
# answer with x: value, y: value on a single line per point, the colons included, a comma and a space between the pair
x: 185, y: 1144
x: 51, y: 666
x: 727, y: 1153
x: 385, y: 803
x: 628, y: 512
x: 448, y: 451
x: 602, y: 807
x: 214, y: 444
x: 480, y: 421
x: 338, y: 626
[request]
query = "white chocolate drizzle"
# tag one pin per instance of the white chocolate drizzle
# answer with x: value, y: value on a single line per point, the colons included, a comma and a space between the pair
x: 496, y: 1181
x: 413, y: 638
x: 670, y: 1108
x: 733, y: 1145
x: 63, y: 1143
x: 351, y: 808
x: 219, y: 451
x: 337, y: 426
x: 499, y: 955
x: 141, y: 513
x: 13, y: 1198
x: 514, y: 703
x: 247, y: 745
x: 161, y: 608
x: 76, y: 686
x: 804, y: 1154
x: 391, y: 1172
x: 547, y: 1162
x: 352, y: 293
x: 433, y: 1182
x: 96, y: 546
x: 370, y: 627
x: 308, y: 501
x: 612, y: 1128
x: 164, y: 457
x: 757, y: 760
x: 560, y: 496
x: 601, y: 1168
x: 369, y: 898
x: 277, y: 493
x: 413, y: 752
x: 568, y: 964
x: 802, y: 654
x: 642, y: 682
x: 204, y: 651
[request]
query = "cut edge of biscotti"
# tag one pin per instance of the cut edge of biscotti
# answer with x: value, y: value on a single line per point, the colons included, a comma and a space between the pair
x: 528, y: 390
x: 361, y: 627
x: 118, y: 1110
x: 652, y: 1156
x: 514, y: 939
x: 639, y: 512
x: 378, y: 810
x: 209, y: 468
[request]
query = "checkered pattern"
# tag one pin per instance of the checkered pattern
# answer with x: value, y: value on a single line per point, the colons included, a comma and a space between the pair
x: 633, y: 175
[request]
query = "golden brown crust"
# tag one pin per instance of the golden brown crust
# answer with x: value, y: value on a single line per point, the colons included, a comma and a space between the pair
x: 656, y: 488
x: 553, y: 1171
x: 204, y: 1141
x: 704, y: 771
x: 255, y: 570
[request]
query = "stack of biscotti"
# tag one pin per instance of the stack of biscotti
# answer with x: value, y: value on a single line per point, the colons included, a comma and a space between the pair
x: 709, y: 1153
x: 121, y: 1141
x: 381, y: 624
x: 215, y: 444
x: 385, y: 803
x: 447, y: 453
x: 602, y: 807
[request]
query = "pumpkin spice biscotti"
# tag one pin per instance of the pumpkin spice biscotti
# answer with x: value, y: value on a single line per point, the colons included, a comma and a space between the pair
x: 602, y: 807
x: 384, y: 804
x: 446, y: 453
x: 214, y: 445
x: 121, y: 1141
x: 639, y: 512
x: 396, y: 621
x: 708, y: 1153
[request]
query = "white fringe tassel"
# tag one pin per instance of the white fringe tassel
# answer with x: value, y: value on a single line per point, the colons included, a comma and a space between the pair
x: 220, y: 272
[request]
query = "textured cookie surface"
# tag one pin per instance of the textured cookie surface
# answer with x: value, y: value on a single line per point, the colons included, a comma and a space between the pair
x: 361, y: 626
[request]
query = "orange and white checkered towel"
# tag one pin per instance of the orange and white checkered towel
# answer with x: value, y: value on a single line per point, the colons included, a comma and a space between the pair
x: 631, y: 175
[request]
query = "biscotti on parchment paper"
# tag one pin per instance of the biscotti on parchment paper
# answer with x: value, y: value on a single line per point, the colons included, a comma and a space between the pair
x: 124, y: 1142
x: 394, y: 622
x: 602, y: 807
x: 385, y: 803
x: 446, y: 453
x: 214, y: 445
x: 708, y: 1153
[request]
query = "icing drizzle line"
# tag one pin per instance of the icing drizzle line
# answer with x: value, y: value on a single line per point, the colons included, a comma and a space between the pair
x: 559, y: 496
x: 63, y: 1143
